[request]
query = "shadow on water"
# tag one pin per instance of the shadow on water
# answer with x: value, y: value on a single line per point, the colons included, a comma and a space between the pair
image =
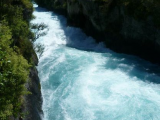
x: 134, y: 67
x: 131, y: 65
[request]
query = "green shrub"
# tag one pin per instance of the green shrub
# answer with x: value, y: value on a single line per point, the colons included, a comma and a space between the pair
x: 16, y: 51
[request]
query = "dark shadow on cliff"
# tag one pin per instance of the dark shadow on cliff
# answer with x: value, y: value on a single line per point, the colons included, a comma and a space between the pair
x: 131, y: 65
x: 40, y: 9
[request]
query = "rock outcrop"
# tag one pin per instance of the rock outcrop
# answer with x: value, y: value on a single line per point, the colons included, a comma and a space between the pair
x: 32, y: 106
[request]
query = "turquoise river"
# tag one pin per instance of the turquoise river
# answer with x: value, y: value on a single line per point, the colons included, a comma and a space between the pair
x: 83, y: 80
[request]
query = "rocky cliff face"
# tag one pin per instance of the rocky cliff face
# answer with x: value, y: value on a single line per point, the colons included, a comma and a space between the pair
x: 128, y: 26
x: 33, y: 102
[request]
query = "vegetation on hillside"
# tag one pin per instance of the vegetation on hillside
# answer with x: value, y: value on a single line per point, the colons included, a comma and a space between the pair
x: 143, y: 9
x: 16, y: 52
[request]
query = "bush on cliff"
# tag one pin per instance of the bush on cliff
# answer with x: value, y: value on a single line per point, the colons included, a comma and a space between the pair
x: 16, y: 51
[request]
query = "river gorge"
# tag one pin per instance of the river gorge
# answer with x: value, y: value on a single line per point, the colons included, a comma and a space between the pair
x: 83, y: 80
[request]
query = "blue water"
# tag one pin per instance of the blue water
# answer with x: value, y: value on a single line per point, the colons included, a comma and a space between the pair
x: 83, y: 80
